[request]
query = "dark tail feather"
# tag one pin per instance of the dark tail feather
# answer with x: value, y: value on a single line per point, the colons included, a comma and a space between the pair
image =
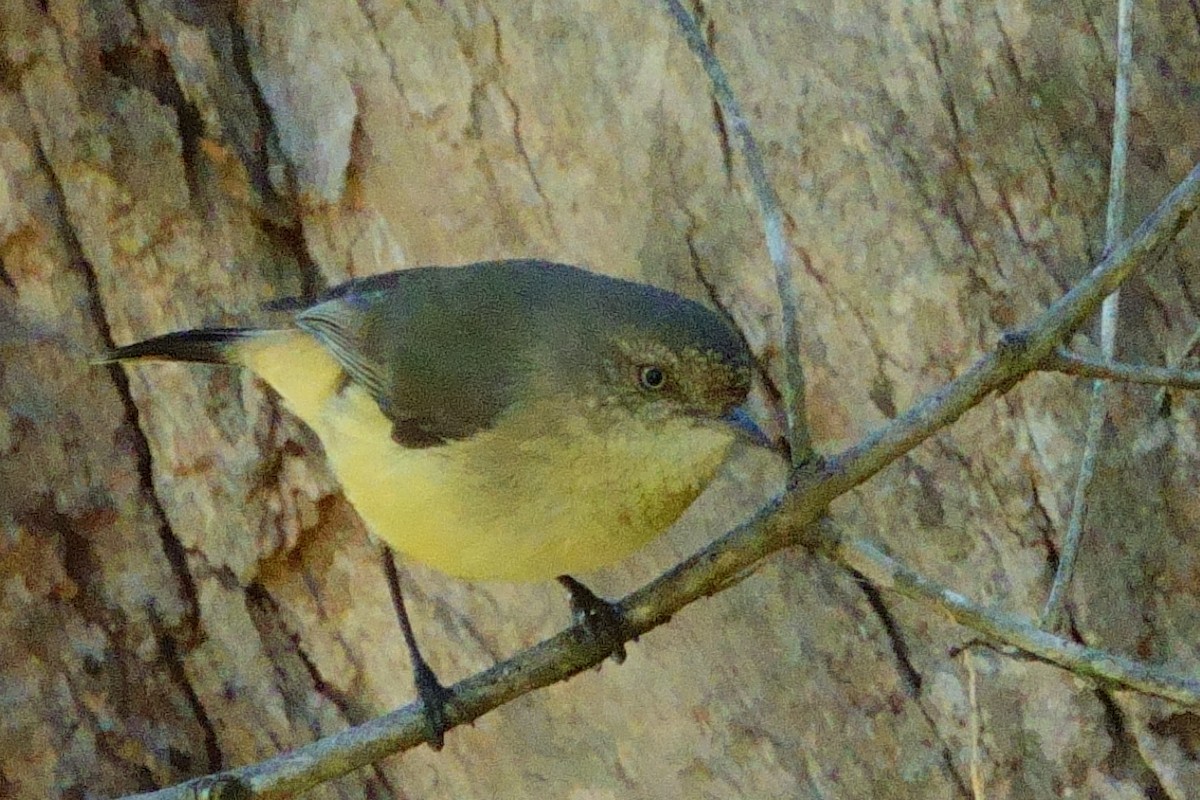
x: 207, y: 346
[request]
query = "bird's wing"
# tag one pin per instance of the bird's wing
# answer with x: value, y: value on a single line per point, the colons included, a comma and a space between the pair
x: 339, y: 325
x: 429, y: 346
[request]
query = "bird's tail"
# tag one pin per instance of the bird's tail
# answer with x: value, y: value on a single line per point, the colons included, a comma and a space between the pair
x: 292, y: 362
x: 205, y: 346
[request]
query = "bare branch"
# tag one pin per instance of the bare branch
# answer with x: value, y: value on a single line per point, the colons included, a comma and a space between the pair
x: 794, y: 384
x: 1114, y: 222
x: 1068, y: 363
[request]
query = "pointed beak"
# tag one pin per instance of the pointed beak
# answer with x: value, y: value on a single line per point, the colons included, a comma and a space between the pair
x: 741, y: 421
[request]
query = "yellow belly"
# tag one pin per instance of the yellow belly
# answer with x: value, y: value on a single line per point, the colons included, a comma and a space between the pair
x: 519, y: 502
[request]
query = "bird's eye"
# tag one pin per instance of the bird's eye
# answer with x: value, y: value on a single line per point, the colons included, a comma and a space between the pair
x: 652, y: 377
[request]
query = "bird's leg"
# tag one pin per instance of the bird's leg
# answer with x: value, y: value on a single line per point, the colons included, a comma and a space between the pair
x: 600, y: 617
x: 433, y: 694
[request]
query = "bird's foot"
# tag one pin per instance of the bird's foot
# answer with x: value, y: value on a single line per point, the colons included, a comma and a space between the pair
x: 434, y: 696
x: 601, y: 618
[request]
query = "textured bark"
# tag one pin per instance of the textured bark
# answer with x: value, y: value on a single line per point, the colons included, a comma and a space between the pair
x: 182, y: 587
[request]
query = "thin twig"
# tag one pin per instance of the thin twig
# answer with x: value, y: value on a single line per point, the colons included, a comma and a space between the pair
x: 1184, y: 354
x: 976, y: 724
x: 1190, y: 346
x: 794, y: 384
x: 1069, y: 552
x: 1068, y: 363
x: 785, y: 521
x: 1097, y: 411
x: 815, y: 780
x: 1105, y: 667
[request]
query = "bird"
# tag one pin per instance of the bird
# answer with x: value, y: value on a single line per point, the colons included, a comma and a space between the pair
x: 515, y: 420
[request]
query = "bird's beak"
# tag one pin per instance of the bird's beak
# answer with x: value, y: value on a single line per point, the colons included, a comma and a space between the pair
x: 741, y: 421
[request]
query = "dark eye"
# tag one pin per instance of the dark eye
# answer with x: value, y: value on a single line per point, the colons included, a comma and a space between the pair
x: 652, y: 377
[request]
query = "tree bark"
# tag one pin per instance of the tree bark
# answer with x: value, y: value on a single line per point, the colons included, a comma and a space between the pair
x: 182, y: 586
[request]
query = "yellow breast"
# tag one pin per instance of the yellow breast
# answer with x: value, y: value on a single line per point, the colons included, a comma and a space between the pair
x: 527, y: 500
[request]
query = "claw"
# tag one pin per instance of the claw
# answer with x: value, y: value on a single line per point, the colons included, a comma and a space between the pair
x: 434, y: 696
x: 600, y: 617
